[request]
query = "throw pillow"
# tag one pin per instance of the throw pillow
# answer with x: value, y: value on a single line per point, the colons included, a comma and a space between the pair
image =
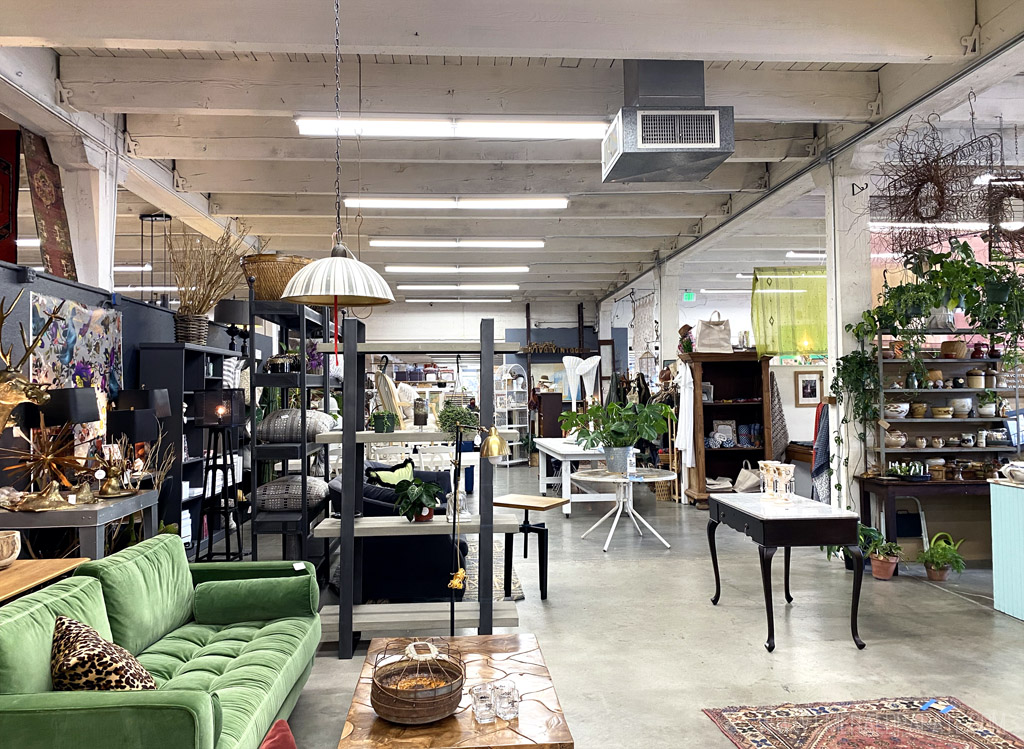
x: 285, y: 493
x: 81, y: 660
x: 392, y: 475
x: 279, y: 737
x: 285, y: 425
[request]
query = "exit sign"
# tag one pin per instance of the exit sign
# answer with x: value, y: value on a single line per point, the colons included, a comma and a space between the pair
x: 689, y: 296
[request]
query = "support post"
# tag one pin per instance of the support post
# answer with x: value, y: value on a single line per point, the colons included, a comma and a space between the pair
x: 353, y: 333
x: 668, y: 314
x: 848, y: 266
x: 485, y: 579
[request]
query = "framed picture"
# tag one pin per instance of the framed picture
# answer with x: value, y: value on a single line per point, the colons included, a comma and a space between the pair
x: 707, y: 392
x: 725, y: 426
x: 808, y: 389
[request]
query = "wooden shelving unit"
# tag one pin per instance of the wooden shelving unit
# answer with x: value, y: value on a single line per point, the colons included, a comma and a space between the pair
x: 734, y: 376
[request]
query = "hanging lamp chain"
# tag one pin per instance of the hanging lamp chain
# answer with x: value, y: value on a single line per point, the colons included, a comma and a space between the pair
x: 337, y: 115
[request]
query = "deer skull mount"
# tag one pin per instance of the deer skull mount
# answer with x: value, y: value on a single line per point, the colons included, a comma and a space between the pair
x: 15, y: 387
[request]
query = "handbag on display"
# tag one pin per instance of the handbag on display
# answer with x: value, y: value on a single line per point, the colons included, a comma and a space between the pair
x: 713, y: 336
x: 748, y: 479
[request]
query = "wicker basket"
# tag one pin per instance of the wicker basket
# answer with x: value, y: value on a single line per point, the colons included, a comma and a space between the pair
x: 417, y: 705
x: 953, y: 350
x: 272, y: 273
x: 191, y: 328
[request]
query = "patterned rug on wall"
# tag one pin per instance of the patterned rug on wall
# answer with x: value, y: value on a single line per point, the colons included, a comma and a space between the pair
x: 472, y: 565
x: 876, y: 724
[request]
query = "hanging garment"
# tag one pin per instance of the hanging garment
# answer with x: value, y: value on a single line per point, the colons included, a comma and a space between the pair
x: 780, y: 433
x: 684, y: 434
x: 821, y: 482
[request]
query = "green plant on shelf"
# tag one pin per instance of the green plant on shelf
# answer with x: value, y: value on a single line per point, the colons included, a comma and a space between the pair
x: 943, y: 554
x: 987, y: 397
x: 415, y: 495
x: 617, y: 425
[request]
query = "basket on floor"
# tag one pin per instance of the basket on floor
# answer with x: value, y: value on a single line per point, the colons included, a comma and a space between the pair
x: 272, y: 273
x: 663, y: 491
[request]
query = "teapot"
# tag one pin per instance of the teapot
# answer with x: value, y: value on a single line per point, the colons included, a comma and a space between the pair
x: 894, y: 439
x: 966, y: 439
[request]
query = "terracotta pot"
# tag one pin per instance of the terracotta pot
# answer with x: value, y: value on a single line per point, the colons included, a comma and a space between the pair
x: 939, y: 575
x: 882, y: 568
x: 425, y: 516
x: 10, y: 547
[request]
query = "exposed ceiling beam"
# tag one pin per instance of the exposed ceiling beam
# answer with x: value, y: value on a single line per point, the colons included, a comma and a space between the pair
x: 457, y: 228
x: 793, y: 227
x: 424, y: 179
x: 608, y: 249
x: 277, y: 138
x: 687, y: 206
x: 226, y: 87
x: 866, y: 31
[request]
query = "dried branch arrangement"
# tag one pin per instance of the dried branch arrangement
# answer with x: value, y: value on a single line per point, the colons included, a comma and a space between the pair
x: 206, y: 271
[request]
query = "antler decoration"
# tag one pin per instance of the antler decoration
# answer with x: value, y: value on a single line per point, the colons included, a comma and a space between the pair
x: 15, y: 387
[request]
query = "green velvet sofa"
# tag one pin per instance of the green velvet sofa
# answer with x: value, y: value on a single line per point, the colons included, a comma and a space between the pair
x: 229, y: 644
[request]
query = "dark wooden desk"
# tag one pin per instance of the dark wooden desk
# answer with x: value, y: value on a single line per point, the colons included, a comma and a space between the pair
x: 886, y: 490
x: 797, y: 453
x: 773, y: 523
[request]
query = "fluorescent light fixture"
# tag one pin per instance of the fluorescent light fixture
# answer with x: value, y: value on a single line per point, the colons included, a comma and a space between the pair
x: 459, y: 287
x: 984, y: 179
x: 465, y: 204
x: 883, y: 255
x: 28, y: 243
x: 725, y: 291
x: 781, y: 291
x: 965, y: 226
x: 450, y: 127
x: 456, y: 269
x: 459, y: 301
x: 127, y: 289
x: 479, y: 244
x: 745, y: 276
x: 802, y: 275
x: 133, y: 268
x: 795, y: 255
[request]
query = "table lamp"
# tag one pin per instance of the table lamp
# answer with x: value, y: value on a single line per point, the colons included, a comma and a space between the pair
x: 235, y: 314
x: 158, y: 400
x: 65, y: 406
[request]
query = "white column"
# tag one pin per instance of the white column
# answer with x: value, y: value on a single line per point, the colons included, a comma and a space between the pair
x: 847, y: 188
x: 668, y: 314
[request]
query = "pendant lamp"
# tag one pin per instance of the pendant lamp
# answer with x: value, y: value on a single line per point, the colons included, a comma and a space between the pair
x: 340, y: 280
x: 588, y: 371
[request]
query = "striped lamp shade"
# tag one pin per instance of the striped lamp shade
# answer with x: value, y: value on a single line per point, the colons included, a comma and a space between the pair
x: 339, y: 280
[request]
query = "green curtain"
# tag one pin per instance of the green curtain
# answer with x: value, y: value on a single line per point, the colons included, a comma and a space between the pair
x: 789, y: 311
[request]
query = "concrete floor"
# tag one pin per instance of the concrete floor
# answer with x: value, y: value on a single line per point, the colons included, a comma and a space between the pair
x: 636, y: 649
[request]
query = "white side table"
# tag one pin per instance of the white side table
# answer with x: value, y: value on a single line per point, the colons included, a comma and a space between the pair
x: 624, y: 496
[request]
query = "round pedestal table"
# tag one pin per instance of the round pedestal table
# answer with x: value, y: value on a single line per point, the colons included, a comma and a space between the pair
x: 624, y: 496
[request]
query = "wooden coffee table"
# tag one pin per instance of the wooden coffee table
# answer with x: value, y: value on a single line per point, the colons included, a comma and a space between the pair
x: 25, y: 574
x: 488, y: 658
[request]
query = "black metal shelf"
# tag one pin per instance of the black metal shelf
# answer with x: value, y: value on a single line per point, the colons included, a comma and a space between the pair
x: 285, y: 450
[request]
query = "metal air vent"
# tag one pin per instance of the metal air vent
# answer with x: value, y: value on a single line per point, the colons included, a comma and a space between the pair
x: 679, y: 129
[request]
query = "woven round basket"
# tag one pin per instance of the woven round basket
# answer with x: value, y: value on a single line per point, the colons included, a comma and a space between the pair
x: 272, y: 273
x: 191, y: 328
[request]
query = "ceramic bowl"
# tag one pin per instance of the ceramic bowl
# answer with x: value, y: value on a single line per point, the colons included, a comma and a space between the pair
x: 942, y: 412
x: 10, y: 547
x: 897, y: 410
x: 961, y: 414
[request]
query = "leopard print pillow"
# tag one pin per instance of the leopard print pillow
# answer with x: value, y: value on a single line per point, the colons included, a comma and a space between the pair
x: 82, y: 660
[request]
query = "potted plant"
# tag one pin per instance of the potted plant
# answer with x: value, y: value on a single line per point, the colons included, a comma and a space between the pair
x: 942, y: 556
x: 988, y: 402
x: 314, y: 359
x: 866, y: 538
x: 885, y: 555
x: 617, y: 428
x: 416, y: 499
x: 453, y: 414
x: 205, y: 271
x: 383, y: 421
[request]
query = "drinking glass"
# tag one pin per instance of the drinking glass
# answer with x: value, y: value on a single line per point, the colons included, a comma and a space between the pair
x: 483, y: 703
x: 506, y: 700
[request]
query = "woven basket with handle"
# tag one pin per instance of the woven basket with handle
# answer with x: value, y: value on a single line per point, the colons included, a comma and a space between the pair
x: 191, y: 328
x: 272, y: 273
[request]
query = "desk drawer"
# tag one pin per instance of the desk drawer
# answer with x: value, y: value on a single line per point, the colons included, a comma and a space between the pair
x: 740, y: 521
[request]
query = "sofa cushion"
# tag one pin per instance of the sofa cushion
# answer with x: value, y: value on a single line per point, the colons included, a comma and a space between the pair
x: 227, y: 601
x: 147, y: 589
x: 391, y: 475
x: 83, y: 661
x: 26, y: 631
x: 251, y: 667
x: 285, y: 493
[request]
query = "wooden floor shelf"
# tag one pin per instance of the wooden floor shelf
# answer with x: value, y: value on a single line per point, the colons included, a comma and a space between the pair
x: 369, y: 527
x: 414, y: 617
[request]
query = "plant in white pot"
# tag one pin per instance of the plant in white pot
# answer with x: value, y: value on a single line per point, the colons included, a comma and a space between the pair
x: 205, y: 271
x: 617, y: 428
x: 988, y: 402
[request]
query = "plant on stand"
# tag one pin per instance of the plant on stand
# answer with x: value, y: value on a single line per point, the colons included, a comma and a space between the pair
x: 205, y: 271
x: 942, y: 556
x: 885, y: 555
x: 617, y: 428
x: 416, y: 499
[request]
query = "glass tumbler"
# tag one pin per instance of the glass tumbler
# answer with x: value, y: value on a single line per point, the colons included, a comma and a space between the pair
x: 483, y: 703
x: 506, y: 700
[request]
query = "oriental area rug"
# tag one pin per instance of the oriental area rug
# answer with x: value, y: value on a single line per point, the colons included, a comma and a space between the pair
x: 876, y: 724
